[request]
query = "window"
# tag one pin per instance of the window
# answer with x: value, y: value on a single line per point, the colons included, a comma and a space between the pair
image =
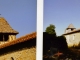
x: 72, y: 29
x: 3, y: 37
x: 6, y: 37
x: 73, y: 37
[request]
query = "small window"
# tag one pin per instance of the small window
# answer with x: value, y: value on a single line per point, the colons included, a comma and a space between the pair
x: 4, y: 37
x: 73, y: 37
x: 71, y: 29
x: 1, y: 37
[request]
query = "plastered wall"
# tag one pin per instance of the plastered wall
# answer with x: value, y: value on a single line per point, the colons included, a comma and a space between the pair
x: 73, y: 39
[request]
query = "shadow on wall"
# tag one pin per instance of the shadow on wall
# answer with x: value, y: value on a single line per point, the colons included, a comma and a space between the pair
x: 27, y: 44
x: 76, y: 46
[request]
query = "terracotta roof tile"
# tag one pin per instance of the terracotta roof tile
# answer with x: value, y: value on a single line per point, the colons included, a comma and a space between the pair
x: 19, y: 40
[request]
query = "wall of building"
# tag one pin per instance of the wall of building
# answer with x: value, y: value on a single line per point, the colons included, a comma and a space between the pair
x: 20, y: 51
x: 12, y: 37
x: 73, y: 39
x: 23, y: 54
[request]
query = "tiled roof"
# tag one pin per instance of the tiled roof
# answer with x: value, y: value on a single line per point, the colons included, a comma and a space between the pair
x: 78, y: 30
x: 71, y: 26
x: 19, y: 40
x: 5, y: 27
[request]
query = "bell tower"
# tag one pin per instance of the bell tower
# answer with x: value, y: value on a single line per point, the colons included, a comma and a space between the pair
x: 70, y: 28
x: 7, y: 33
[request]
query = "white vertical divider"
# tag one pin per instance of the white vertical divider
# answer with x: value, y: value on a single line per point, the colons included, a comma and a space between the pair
x: 39, y: 50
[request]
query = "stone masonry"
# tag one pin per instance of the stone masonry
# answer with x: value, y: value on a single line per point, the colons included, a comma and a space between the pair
x: 23, y: 54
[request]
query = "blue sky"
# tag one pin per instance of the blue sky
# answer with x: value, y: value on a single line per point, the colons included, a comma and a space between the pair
x: 61, y: 13
x: 20, y: 14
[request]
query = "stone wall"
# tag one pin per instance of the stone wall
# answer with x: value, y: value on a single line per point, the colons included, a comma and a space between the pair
x: 20, y: 51
x: 12, y: 37
x: 23, y: 54
x: 73, y: 39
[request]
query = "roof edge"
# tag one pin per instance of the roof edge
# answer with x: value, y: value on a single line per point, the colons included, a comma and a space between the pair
x: 78, y: 30
x: 19, y: 40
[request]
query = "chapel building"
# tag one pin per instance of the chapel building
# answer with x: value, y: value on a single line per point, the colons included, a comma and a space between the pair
x: 72, y: 35
x: 22, y: 48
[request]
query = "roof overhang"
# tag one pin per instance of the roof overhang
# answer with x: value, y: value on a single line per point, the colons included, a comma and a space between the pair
x: 19, y: 40
x: 75, y: 31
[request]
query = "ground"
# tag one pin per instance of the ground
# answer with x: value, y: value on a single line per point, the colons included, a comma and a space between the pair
x: 70, y: 54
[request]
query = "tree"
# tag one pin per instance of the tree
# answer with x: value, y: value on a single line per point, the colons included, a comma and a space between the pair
x: 61, y: 42
x: 49, y: 36
x: 51, y: 29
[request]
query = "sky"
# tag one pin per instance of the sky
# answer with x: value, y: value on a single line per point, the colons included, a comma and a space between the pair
x: 20, y: 14
x: 61, y: 13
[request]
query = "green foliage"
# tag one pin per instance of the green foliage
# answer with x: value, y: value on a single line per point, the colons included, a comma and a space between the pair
x: 50, y: 29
